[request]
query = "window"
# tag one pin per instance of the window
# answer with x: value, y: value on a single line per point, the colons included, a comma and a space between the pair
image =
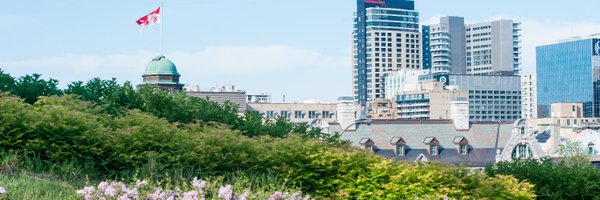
x: 271, y: 114
x: 591, y: 149
x: 285, y: 114
x: 522, y: 151
x: 326, y: 115
x: 522, y: 132
x: 434, y: 150
x: 312, y: 114
x: 298, y: 115
x: 400, y: 150
x: 463, y: 149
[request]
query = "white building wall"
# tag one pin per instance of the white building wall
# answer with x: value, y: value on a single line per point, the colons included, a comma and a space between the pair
x: 528, y: 96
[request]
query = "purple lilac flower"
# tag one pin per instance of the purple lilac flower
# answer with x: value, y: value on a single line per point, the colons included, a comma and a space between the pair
x: 226, y: 192
x: 131, y: 193
x: 243, y: 196
x: 158, y: 194
x: 171, y: 195
x: 276, y: 196
x: 139, y: 183
x: 86, y: 192
x: 191, y: 195
x: 2, y: 191
x: 296, y: 196
x: 198, y: 183
x: 120, y: 185
x: 123, y: 197
x: 102, y: 186
x: 110, y: 191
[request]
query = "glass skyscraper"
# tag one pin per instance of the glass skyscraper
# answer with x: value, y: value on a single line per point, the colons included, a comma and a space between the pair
x: 385, y: 38
x: 569, y: 72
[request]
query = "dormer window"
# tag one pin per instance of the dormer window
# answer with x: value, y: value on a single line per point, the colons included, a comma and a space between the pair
x: 400, y: 150
x: 433, y: 148
x: 400, y: 145
x: 462, y: 144
x: 591, y: 149
x: 433, y: 145
x: 463, y: 149
x: 367, y: 143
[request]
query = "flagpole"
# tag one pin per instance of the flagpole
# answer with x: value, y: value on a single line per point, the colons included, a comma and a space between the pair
x: 161, y: 27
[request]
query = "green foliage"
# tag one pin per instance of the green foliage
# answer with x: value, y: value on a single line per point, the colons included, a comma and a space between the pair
x: 31, y: 87
x: 115, y: 99
x: 71, y: 138
x: 29, y: 186
x: 7, y: 82
x: 571, y: 178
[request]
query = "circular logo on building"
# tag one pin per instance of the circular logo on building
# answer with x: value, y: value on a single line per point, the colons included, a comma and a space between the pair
x: 443, y: 79
x: 597, y: 47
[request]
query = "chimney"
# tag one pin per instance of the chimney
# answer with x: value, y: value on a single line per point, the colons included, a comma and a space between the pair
x: 459, y: 113
x: 345, y: 112
x: 555, y: 139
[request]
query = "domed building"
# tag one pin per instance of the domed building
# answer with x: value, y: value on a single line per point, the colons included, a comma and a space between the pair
x: 162, y: 73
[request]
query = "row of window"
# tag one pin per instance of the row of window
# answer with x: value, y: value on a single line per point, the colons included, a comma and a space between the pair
x: 492, y: 92
x: 299, y: 114
x: 434, y: 149
x: 479, y: 28
x: 407, y: 35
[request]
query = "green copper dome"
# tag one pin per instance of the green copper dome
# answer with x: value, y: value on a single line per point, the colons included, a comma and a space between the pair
x: 161, y: 66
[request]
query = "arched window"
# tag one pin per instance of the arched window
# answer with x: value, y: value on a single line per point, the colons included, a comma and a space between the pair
x: 522, y: 151
x: 522, y: 131
x: 591, y: 149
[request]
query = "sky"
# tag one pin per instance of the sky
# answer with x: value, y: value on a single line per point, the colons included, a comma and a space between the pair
x: 300, y: 49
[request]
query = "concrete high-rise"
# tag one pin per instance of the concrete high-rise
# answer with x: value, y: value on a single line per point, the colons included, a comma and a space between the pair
x: 489, y: 48
x: 494, y: 48
x: 444, y: 46
x: 569, y: 72
x: 386, y: 38
x: 528, y: 97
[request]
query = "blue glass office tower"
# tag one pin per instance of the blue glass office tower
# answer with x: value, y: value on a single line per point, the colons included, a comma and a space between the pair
x: 385, y: 38
x: 569, y: 72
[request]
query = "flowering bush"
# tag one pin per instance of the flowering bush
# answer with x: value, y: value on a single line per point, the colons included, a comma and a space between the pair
x: 2, y: 193
x: 197, y: 189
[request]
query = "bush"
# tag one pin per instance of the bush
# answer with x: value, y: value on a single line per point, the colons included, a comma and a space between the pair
x: 60, y: 133
x: 562, y: 180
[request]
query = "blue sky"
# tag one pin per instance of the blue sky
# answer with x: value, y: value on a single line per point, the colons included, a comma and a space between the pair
x: 297, y: 48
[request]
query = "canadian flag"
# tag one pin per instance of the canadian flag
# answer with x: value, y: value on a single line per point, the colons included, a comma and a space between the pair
x: 149, y: 19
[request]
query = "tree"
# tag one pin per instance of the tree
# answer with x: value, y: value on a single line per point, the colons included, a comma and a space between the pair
x: 565, y: 179
x: 7, y: 82
x: 31, y: 87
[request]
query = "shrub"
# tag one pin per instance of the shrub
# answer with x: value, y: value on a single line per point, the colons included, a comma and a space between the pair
x: 562, y: 180
x: 61, y: 133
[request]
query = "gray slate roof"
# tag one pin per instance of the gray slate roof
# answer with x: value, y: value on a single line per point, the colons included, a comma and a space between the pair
x: 484, y: 139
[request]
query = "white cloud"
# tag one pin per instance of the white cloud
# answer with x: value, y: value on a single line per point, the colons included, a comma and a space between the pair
x: 255, y: 59
x: 277, y: 69
x: 435, y: 19
x: 213, y: 60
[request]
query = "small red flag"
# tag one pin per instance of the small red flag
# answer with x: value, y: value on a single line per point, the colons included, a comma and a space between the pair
x: 149, y: 19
